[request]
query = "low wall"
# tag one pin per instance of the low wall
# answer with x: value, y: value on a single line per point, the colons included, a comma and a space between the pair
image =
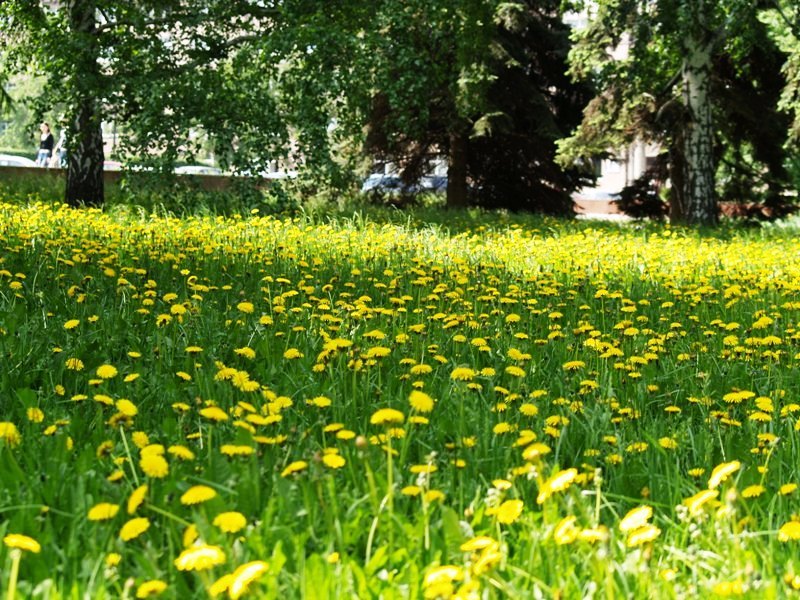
x: 210, y: 183
x: 584, y: 206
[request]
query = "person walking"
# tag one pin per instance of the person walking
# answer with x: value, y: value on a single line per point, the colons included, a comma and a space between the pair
x: 45, y: 146
x: 60, y: 151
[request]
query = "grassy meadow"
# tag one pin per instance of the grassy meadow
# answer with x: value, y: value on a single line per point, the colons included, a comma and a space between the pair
x: 378, y: 407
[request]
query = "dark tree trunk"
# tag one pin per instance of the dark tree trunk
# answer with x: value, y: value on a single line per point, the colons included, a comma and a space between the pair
x: 85, y: 142
x: 85, y: 160
x: 677, y: 170
x: 457, y: 169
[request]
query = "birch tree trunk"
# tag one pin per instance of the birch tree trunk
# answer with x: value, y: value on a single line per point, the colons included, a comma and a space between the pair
x: 699, y: 198
x: 85, y: 143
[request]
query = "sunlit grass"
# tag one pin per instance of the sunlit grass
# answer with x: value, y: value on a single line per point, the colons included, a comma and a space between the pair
x: 361, y: 407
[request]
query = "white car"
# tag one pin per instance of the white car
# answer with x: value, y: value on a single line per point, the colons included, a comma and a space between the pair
x: 197, y: 170
x: 10, y: 160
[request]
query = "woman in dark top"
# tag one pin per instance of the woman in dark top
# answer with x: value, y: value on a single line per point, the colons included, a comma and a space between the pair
x: 45, y: 146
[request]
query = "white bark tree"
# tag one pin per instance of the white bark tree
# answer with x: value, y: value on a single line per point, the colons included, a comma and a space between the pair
x: 668, y: 70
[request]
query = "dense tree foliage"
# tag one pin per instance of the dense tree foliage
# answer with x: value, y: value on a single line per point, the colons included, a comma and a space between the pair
x: 481, y: 83
x: 158, y: 68
x: 701, y: 78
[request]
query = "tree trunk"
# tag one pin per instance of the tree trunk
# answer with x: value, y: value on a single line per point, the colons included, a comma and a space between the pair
x: 677, y: 173
x: 85, y: 140
x: 699, y: 198
x: 457, y: 169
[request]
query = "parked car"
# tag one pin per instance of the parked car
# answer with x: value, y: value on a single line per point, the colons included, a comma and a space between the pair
x: 379, y: 183
x: 433, y: 183
x: 10, y: 160
x: 197, y: 170
x: 279, y: 174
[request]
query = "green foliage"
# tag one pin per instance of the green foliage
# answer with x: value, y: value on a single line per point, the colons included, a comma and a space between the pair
x: 644, y: 95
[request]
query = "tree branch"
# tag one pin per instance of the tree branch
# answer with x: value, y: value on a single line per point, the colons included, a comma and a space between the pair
x: 794, y: 26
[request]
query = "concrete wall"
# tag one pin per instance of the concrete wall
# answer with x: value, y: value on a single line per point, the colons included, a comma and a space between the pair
x: 210, y: 183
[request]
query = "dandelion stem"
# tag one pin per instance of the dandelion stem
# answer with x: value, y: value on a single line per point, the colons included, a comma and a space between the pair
x: 16, y: 555
x: 130, y: 458
x: 390, y: 490
x: 168, y: 514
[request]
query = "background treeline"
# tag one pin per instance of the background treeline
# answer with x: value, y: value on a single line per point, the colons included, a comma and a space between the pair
x: 515, y: 101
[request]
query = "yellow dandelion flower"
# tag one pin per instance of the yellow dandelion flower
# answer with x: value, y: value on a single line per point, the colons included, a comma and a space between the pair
x: 200, y: 558
x: 420, y: 401
x: 190, y: 535
x: 594, y: 534
x: 71, y: 324
x: 106, y: 371
x: 636, y: 518
x: 789, y: 531
x: 74, y: 364
x: 334, y: 461
x: 642, y: 535
x: 565, y: 531
x: 230, y: 522
x: 515, y: 371
x: 214, y: 413
x: 244, y: 576
x: 721, y: 472
x: 509, y: 511
x: 438, y: 582
x: 113, y: 559
x: 557, y: 483
x: 22, y: 542
x: 103, y: 511
x: 753, y: 491
x: 386, y: 416
x: 479, y: 543
x: 462, y: 374
x: 136, y: 498
x: 535, y: 451
x: 292, y: 353
x: 220, y: 586
x: 10, y: 433
x: 150, y: 588
x: 700, y: 499
x: 245, y: 352
x: 126, y: 407
x: 245, y: 307
x: 181, y: 452
x: 787, y: 488
x: 432, y: 496
x: 154, y: 465
x: 573, y: 365
x: 234, y: 450
x: 198, y: 494
x: 35, y: 415
x: 134, y: 528
x: 320, y: 402
x: 729, y: 588
x: 294, y: 467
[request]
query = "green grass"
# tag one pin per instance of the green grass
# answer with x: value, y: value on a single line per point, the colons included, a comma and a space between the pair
x: 612, y: 346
